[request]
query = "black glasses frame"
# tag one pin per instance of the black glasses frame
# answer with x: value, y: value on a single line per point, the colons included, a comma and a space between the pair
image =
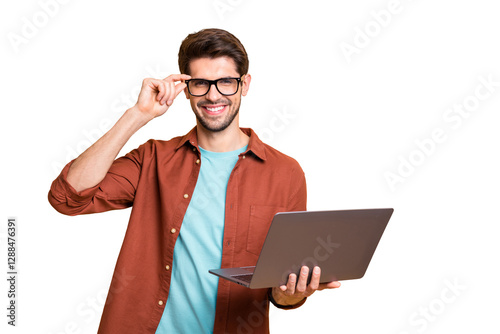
x: 214, y: 82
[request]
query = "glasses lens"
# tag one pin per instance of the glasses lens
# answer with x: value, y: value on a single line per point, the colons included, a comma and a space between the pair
x: 227, y: 86
x: 198, y: 87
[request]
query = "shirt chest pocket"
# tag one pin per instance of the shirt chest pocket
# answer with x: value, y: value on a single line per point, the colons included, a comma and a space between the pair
x: 260, y: 219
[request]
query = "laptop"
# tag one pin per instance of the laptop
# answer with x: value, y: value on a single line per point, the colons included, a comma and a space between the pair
x: 340, y: 242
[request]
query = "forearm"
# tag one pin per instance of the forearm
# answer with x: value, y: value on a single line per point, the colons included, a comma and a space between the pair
x: 91, y: 166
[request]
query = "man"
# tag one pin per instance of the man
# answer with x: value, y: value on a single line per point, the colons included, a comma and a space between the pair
x: 201, y: 201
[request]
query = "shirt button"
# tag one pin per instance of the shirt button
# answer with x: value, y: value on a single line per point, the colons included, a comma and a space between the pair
x: 160, y: 302
x: 194, y: 149
x: 173, y: 230
x: 243, y: 157
x: 167, y: 267
x: 197, y: 161
x: 186, y: 195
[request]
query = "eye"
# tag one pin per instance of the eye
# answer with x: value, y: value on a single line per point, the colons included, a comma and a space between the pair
x: 227, y: 81
x: 200, y: 83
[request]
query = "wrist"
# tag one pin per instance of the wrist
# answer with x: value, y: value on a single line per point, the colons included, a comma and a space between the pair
x: 138, y: 116
x: 281, y: 301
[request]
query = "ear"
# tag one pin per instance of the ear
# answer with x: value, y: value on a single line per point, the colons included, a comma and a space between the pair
x: 245, y: 84
x: 187, y: 93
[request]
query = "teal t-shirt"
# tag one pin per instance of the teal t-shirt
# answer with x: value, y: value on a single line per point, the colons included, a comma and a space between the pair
x: 192, y: 297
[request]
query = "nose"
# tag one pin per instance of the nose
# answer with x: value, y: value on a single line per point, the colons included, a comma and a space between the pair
x: 213, y: 94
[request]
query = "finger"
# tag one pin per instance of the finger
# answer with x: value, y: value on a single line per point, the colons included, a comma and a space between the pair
x: 179, y: 88
x: 177, y: 77
x: 315, y: 279
x: 156, y: 85
x: 166, y: 88
x: 329, y: 285
x: 161, y: 93
x: 171, y: 93
x: 159, y: 86
x: 290, y: 285
x: 166, y: 94
x: 150, y: 85
x: 173, y: 90
x: 302, y: 283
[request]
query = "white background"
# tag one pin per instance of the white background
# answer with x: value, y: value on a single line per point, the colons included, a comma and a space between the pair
x: 348, y: 119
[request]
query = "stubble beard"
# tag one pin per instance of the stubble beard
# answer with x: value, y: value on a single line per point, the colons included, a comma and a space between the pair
x: 221, y: 125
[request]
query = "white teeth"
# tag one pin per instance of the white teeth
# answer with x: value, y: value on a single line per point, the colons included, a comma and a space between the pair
x: 214, y: 109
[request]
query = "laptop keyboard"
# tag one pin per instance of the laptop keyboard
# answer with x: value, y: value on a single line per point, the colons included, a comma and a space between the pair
x: 244, y: 277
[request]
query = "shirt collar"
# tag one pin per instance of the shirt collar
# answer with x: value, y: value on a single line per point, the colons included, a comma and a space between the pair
x: 255, y: 145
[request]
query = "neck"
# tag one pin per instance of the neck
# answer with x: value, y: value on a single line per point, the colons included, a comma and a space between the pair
x: 229, y: 139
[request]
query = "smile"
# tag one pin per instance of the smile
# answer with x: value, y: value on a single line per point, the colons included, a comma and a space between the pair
x: 214, y: 110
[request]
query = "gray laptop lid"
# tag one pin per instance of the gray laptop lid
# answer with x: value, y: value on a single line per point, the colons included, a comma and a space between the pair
x: 341, y: 242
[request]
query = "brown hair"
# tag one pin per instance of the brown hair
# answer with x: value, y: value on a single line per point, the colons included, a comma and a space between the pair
x: 212, y: 43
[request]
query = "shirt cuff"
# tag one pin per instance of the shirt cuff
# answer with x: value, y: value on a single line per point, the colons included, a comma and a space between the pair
x: 63, y: 194
x: 284, y: 307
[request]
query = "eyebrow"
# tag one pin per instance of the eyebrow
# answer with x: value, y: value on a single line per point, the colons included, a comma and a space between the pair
x: 228, y: 77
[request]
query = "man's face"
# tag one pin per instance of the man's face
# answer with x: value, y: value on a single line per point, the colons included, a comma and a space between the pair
x: 214, y: 111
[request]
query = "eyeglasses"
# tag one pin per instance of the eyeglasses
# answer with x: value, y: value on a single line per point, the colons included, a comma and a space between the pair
x: 225, y: 86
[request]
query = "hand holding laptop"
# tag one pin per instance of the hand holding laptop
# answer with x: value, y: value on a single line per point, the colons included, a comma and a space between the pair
x: 293, y: 292
x: 341, y: 242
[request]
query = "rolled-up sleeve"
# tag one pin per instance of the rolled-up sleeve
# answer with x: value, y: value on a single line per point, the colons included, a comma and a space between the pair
x: 115, y: 191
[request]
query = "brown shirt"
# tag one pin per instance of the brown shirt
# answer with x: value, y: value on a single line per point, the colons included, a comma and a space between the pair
x: 157, y: 180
